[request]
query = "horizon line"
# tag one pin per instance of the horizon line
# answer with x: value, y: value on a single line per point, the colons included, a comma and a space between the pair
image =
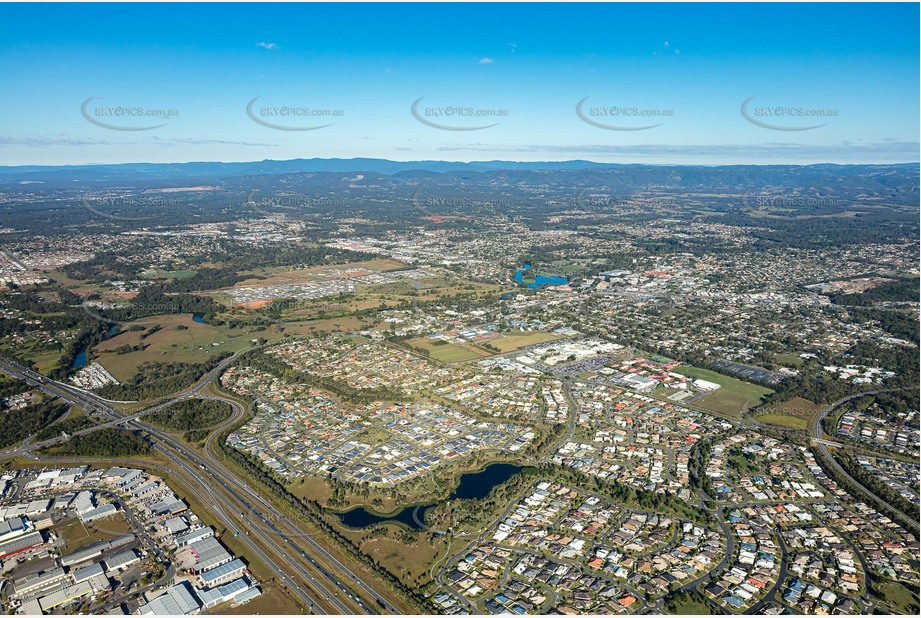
x: 460, y: 162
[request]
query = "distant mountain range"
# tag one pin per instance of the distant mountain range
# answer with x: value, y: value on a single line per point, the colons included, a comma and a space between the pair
x: 381, y: 166
x: 204, y: 169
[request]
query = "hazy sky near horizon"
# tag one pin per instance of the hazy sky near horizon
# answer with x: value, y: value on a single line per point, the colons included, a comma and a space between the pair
x: 237, y: 82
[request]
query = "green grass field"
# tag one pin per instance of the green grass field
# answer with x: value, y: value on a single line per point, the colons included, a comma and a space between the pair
x: 797, y: 413
x: 689, y: 607
x: 44, y: 359
x: 193, y: 344
x: 70, y: 284
x: 734, y: 396
x: 272, y: 602
x: 790, y: 360
x: 565, y: 267
x: 276, y: 275
x: 782, y: 420
x: 899, y: 598
x: 447, y: 353
x: 169, y: 274
x: 312, y: 488
x: 512, y: 341
x: 406, y: 561
x: 77, y: 535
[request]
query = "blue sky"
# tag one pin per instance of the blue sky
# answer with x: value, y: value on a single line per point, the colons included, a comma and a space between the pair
x: 687, y: 68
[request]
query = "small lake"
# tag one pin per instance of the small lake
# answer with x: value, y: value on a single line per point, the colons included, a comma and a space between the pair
x: 477, y: 485
x: 199, y: 317
x: 412, y: 516
x: 540, y: 280
x: 79, y: 360
x: 472, y: 486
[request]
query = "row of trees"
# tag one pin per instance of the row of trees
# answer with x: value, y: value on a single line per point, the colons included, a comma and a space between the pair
x: 622, y: 493
x: 20, y: 424
x: 109, y: 442
x: 196, y: 436
x: 697, y: 466
x: 881, y: 505
x: 128, y: 349
x: 875, y: 484
x: 191, y: 414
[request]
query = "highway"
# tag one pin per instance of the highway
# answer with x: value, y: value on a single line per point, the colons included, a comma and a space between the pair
x: 91, y: 402
x: 229, y: 494
x: 262, y: 518
x: 334, y: 586
x: 822, y: 447
x: 206, y: 490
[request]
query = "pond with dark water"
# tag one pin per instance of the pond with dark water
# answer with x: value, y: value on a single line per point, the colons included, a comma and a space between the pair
x: 472, y: 486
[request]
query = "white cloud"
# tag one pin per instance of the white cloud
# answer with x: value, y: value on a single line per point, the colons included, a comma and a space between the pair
x: 266, y: 45
x: 485, y: 60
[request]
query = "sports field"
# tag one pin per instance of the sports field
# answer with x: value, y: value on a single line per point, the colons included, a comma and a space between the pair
x: 512, y: 341
x: 734, y: 396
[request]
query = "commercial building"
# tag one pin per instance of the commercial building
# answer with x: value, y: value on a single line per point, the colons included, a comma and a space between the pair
x: 36, y: 507
x: 21, y: 544
x: 171, y: 506
x: 642, y: 384
x: 12, y: 528
x: 95, y: 549
x: 65, y: 595
x: 209, y: 554
x: 35, y: 584
x: 223, y: 594
x: 121, y: 560
x: 706, y: 385
x: 248, y: 595
x: 177, y: 601
x: 176, y: 525
x: 86, y: 573
x: 99, y: 512
x: 223, y: 573
x: 193, y: 536
x: 63, y: 501
x: 83, y: 503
